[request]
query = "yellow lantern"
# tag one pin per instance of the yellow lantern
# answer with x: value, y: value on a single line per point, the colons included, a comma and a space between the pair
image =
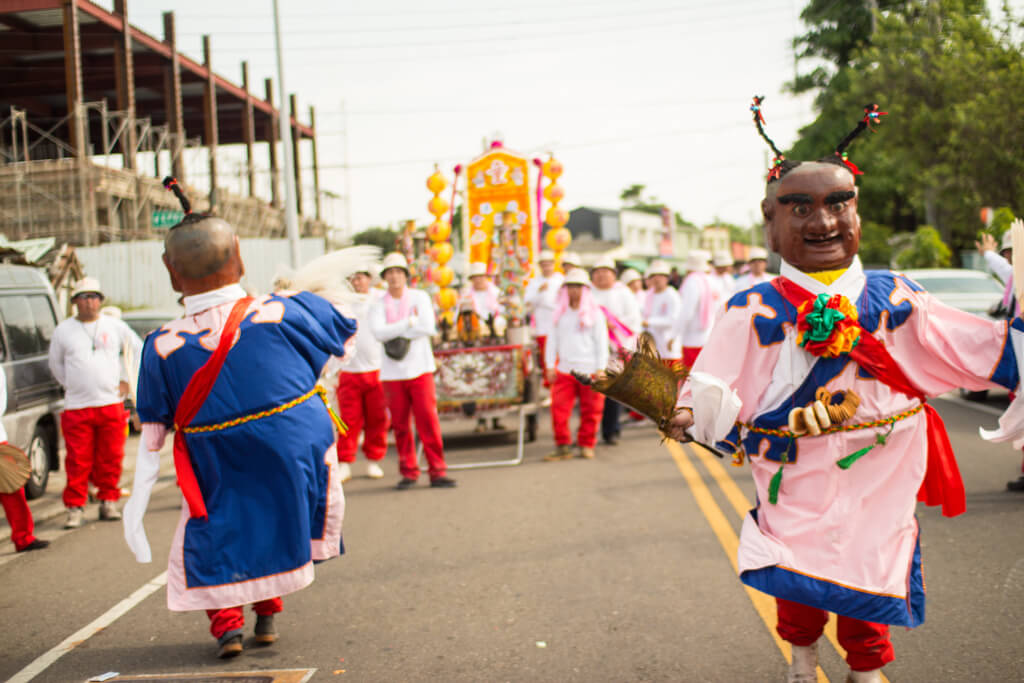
x: 436, y: 182
x: 556, y: 217
x: 447, y: 298
x: 439, y: 231
x: 437, y: 206
x: 554, y: 193
x: 442, y: 276
x: 558, y: 239
x: 442, y: 253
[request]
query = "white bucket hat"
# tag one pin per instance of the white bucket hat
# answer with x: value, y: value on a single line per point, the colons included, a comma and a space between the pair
x: 758, y: 253
x: 723, y: 258
x: 546, y: 255
x: 628, y: 275
x: 477, y: 268
x: 394, y: 260
x: 1007, y: 241
x: 572, y: 257
x: 697, y: 259
x: 658, y: 267
x: 576, y: 276
x: 604, y: 262
x: 85, y: 286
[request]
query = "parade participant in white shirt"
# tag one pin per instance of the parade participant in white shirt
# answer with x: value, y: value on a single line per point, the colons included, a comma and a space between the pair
x: 85, y: 357
x: 361, y: 401
x: 661, y: 311
x: 700, y: 297
x: 15, y: 506
x: 570, y: 260
x: 635, y: 282
x: 624, y: 322
x: 403, y: 321
x: 758, y: 262
x: 539, y: 298
x: 485, y: 294
x: 578, y: 343
x: 724, y: 266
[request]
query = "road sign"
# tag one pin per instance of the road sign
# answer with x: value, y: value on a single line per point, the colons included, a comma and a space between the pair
x: 165, y: 218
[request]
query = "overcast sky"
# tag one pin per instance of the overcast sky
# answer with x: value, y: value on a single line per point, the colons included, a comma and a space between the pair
x: 647, y: 91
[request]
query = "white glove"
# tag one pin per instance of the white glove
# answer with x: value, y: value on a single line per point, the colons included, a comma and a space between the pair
x: 147, y: 470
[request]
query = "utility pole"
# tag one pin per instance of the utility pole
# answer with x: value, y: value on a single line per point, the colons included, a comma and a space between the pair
x: 350, y: 229
x: 291, y: 217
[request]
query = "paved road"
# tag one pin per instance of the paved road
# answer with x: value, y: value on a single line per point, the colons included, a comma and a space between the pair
x: 617, y: 569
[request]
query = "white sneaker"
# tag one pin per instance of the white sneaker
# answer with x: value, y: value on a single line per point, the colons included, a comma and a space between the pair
x: 109, y: 511
x: 804, y: 668
x: 344, y: 471
x: 874, y: 676
x: 373, y: 471
x: 74, y: 518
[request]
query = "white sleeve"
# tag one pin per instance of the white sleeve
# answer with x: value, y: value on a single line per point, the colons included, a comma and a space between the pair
x: 688, y: 298
x: 601, y: 341
x: 56, y: 357
x: 424, y: 325
x: 999, y: 266
x: 381, y: 329
x: 147, y: 470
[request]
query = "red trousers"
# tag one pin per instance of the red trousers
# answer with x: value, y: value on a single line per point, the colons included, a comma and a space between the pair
x: 690, y: 355
x: 361, y: 401
x: 867, y: 644
x: 95, y: 442
x: 233, y: 618
x: 19, y: 517
x: 564, y: 394
x: 416, y: 396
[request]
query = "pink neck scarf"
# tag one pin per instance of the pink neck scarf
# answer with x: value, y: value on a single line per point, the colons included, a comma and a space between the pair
x: 587, y: 310
x: 397, y: 309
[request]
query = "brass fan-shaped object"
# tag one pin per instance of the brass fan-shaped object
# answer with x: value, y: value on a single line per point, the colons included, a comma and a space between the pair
x: 644, y: 383
x: 15, y: 468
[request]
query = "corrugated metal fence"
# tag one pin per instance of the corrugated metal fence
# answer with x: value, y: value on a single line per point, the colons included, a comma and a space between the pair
x: 132, y: 274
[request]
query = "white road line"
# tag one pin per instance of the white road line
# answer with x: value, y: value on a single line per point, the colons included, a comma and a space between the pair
x: 42, y: 662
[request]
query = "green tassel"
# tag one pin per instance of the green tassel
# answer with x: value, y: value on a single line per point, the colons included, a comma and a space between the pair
x: 773, y: 486
x: 844, y: 463
x: 880, y: 439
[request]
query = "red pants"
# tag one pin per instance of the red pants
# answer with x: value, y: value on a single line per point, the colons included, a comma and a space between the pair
x: 361, y: 401
x: 233, y: 618
x: 95, y: 442
x: 867, y: 644
x: 19, y: 517
x: 690, y: 355
x: 416, y: 396
x: 564, y: 393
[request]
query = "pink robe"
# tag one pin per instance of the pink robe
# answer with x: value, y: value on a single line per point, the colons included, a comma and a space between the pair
x: 842, y: 540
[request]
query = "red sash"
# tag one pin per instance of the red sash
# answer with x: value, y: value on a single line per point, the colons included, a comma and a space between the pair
x: 192, y: 400
x: 942, y: 484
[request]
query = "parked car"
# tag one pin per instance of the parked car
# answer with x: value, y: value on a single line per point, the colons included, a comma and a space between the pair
x: 28, y: 316
x: 147, y: 320
x: 969, y: 290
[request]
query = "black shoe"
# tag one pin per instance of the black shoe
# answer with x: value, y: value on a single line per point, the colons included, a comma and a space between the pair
x: 230, y: 646
x: 612, y: 440
x: 406, y: 483
x: 442, y: 483
x: 1017, y: 485
x: 37, y: 544
x: 265, y: 631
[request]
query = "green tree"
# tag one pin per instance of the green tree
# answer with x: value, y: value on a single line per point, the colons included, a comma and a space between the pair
x: 875, y: 248
x: 952, y: 81
x: 926, y: 250
x: 379, y: 237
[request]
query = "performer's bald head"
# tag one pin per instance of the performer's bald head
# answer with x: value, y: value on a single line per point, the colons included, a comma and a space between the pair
x: 201, y: 254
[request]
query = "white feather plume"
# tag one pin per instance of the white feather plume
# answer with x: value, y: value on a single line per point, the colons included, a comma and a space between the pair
x: 328, y: 275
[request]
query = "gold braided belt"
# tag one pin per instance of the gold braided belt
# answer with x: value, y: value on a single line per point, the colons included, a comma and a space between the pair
x: 316, y: 390
x: 882, y: 422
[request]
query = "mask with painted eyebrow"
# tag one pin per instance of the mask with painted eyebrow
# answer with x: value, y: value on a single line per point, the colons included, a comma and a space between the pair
x: 795, y: 198
x: 844, y: 196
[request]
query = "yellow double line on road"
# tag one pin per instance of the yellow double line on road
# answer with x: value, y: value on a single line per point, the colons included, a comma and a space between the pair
x: 763, y: 604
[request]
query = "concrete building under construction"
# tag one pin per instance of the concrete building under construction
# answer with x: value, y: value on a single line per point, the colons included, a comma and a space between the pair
x: 94, y: 112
